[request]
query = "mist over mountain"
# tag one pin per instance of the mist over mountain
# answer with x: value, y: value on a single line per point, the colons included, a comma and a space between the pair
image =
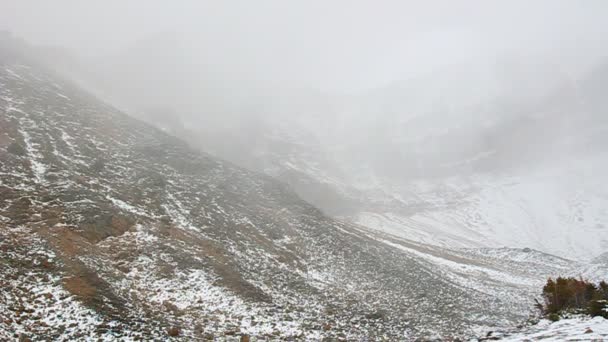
x: 319, y: 171
x: 417, y: 149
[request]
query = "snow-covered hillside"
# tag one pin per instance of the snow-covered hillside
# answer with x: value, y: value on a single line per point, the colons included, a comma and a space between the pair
x: 557, y: 209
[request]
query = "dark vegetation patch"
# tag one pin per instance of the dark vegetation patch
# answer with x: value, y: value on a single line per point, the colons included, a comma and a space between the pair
x: 571, y: 295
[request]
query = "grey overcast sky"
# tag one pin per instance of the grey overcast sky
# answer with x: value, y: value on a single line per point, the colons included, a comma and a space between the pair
x: 325, y: 44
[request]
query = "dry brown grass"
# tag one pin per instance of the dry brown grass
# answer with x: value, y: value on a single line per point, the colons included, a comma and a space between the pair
x: 79, y: 287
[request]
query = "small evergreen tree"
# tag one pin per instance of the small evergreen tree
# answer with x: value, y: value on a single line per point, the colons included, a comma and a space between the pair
x: 598, y: 307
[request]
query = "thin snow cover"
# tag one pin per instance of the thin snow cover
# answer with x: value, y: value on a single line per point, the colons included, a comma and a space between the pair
x: 38, y: 168
x: 178, y: 213
x: 414, y: 228
x: 67, y: 139
x: 63, y: 96
x: 192, y: 287
x: 287, y: 328
x: 319, y: 279
x: 142, y: 235
x: 126, y: 206
x: 193, y: 291
x: 40, y: 294
x: 466, y: 274
x: 57, y: 153
x: 283, y: 241
x: 72, y: 311
x: 579, y: 328
x: 596, y: 272
x: 13, y: 74
x: 98, y: 144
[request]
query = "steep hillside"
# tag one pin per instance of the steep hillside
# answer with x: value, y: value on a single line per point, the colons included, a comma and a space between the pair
x: 110, y: 228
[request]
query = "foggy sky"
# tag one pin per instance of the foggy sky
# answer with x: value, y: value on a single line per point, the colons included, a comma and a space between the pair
x: 372, y: 93
x: 337, y: 45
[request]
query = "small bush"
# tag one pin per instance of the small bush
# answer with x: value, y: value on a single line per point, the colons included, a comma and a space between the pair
x: 598, y: 307
x: 173, y: 331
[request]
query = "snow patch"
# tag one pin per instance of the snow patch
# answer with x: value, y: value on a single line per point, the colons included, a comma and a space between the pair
x: 38, y: 169
x: 572, y: 329
x: 125, y: 206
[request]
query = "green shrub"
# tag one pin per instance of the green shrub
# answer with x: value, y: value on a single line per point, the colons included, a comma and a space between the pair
x: 598, y: 307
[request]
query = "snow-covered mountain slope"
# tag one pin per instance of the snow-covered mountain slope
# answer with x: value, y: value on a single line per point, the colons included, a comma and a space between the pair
x: 112, y: 229
x: 556, y: 209
x: 597, y: 269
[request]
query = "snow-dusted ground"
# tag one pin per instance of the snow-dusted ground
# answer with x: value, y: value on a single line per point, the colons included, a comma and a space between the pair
x: 33, y: 300
x: 571, y: 329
